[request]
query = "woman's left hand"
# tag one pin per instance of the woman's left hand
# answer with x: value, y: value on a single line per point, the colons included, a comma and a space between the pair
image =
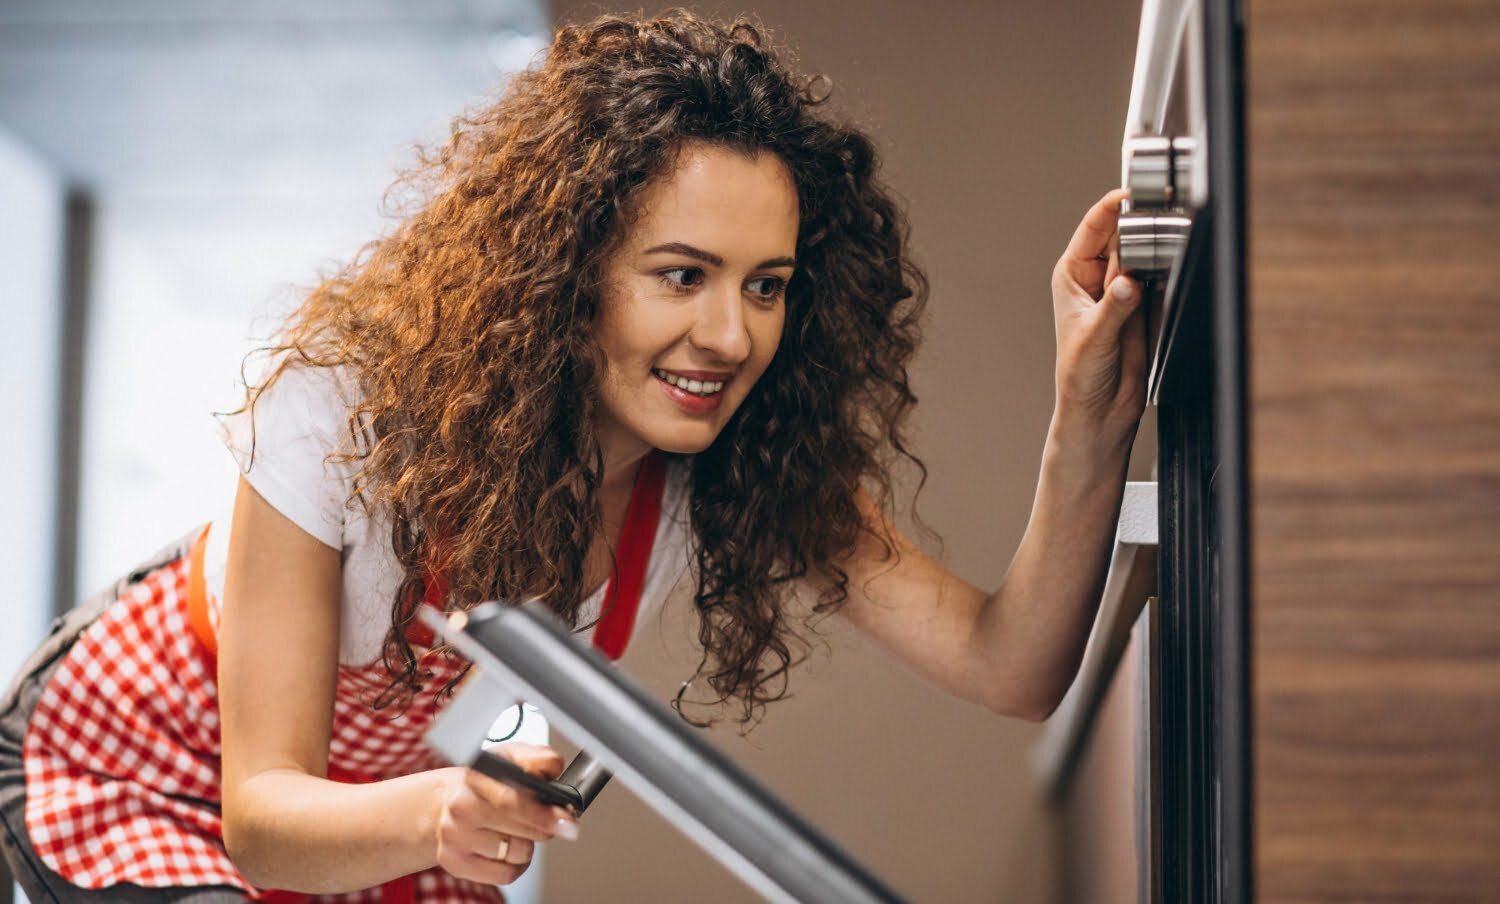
x: 1101, y: 330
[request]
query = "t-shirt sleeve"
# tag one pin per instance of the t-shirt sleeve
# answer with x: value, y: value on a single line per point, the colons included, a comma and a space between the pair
x: 282, y: 445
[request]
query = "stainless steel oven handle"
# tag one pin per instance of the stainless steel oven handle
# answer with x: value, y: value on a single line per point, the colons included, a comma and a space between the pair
x: 1165, y: 173
x: 1156, y: 53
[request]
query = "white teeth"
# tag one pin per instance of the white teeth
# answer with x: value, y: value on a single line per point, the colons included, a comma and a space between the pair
x: 696, y: 387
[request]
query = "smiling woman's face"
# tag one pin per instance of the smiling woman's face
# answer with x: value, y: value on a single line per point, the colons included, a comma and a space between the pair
x: 694, y: 300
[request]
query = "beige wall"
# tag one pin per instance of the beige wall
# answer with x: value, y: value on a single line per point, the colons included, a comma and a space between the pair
x: 1000, y: 123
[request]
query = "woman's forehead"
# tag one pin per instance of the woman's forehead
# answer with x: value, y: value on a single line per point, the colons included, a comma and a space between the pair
x: 719, y: 195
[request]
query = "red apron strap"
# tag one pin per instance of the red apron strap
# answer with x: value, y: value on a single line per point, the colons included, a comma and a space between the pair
x: 622, y: 598
x: 434, y: 594
x: 197, y: 597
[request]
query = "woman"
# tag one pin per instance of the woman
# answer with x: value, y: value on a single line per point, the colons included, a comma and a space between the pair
x: 652, y: 322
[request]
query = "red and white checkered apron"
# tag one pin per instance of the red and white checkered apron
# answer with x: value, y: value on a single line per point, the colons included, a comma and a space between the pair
x: 122, y: 751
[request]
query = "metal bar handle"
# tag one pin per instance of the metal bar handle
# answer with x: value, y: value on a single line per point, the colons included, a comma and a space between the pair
x: 670, y: 767
x: 1164, y: 173
x: 1162, y: 25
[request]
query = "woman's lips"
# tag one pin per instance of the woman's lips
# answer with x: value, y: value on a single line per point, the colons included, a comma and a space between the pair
x: 696, y: 392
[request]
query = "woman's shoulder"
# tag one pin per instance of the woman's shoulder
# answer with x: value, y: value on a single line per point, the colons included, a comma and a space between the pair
x: 293, y: 444
x: 333, y: 389
x: 296, y: 399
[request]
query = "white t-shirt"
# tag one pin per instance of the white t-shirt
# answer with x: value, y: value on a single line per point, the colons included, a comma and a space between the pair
x: 295, y: 425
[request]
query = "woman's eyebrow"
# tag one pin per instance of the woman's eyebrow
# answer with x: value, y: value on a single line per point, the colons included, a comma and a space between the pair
x: 686, y: 250
x: 708, y: 257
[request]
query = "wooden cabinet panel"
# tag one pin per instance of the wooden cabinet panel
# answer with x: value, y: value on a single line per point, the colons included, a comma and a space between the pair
x: 1374, y: 352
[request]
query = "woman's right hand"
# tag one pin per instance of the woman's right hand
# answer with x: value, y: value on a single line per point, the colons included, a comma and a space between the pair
x: 487, y: 830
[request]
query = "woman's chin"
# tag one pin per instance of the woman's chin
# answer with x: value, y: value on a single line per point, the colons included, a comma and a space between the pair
x: 684, y: 439
x: 685, y: 446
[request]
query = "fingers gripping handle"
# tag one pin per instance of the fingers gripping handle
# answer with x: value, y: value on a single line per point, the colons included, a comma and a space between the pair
x: 585, y: 777
x: 459, y: 734
x: 575, y: 789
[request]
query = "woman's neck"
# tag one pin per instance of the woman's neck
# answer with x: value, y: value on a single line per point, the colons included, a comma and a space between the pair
x: 622, y: 454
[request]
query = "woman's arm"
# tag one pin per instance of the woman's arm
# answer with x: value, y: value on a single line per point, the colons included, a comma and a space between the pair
x: 1016, y: 650
x: 285, y: 825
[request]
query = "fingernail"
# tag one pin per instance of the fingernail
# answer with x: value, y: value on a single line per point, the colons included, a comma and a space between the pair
x: 566, y: 829
x: 1122, y: 289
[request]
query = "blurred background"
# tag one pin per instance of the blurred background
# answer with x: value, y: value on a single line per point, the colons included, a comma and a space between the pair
x: 174, y: 173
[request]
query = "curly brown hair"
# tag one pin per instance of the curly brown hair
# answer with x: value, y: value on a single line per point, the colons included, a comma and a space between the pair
x: 471, y: 332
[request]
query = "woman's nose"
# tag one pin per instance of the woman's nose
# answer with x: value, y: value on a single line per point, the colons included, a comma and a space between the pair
x: 720, y: 326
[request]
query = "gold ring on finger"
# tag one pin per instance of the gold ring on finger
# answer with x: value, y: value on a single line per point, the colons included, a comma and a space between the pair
x: 504, y: 848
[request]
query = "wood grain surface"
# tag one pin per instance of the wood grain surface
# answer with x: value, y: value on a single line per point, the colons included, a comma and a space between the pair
x: 1374, y: 339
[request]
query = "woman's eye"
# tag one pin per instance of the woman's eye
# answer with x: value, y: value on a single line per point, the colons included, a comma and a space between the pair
x: 683, y: 277
x: 767, y: 288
